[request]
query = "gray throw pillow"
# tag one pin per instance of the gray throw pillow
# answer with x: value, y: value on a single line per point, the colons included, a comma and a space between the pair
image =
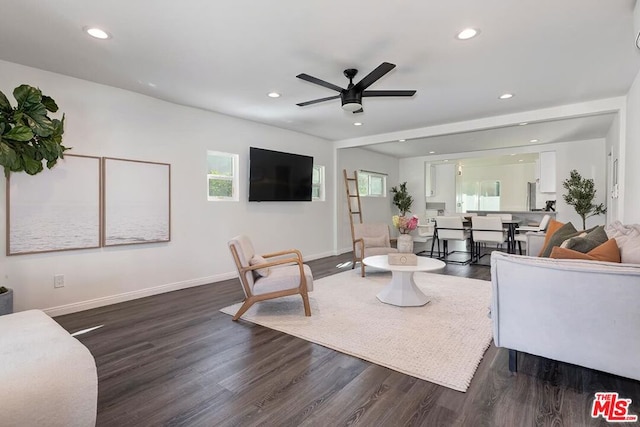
x: 592, y: 240
x: 565, y: 232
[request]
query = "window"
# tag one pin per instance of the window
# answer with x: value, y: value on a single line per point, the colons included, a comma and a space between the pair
x: 317, y: 183
x: 222, y: 176
x: 372, y: 184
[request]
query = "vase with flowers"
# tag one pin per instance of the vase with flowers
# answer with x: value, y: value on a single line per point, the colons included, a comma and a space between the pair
x: 405, y: 225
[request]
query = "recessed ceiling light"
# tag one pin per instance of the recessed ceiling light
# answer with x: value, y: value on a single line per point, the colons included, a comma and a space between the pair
x: 533, y: 140
x: 520, y: 160
x: 506, y: 96
x: 513, y: 154
x: 445, y: 160
x: 97, y: 33
x: 401, y: 140
x: 432, y: 152
x: 152, y: 84
x: 467, y: 33
x: 523, y: 124
x: 273, y: 95
x: 357, y: 124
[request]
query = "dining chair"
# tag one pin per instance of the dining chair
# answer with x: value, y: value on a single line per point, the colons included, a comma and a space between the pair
x: 487, y: 229
x: 284, y: 274
x: 451, y: 228
x: 521, y: 235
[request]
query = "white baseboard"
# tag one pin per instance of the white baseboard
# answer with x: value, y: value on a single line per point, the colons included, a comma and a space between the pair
x: 128, y: 296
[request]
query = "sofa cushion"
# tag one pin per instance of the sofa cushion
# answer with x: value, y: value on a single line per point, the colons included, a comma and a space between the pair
x: 551, y: 229
x: 607, y: 251
x: 628, y: 239
x: 565, y: 232
x: 589, y: 241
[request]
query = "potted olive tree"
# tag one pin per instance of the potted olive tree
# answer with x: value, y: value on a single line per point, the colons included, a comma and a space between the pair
x: 28, y: 139
x: 580, y: 195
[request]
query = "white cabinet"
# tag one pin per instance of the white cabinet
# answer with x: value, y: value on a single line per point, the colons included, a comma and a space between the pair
x: 429, y: 180
x: 547, y: 172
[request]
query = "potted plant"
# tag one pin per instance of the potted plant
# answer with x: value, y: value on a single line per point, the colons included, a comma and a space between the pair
x: 402, y: 199
x: 580, y: 195
x: 28, y: 136
x: 6, y: 301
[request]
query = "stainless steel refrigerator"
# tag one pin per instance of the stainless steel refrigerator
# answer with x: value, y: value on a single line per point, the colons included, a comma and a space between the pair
x: 531, y: 196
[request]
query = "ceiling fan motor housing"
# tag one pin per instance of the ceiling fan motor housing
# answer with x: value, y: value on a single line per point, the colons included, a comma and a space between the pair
x: 351, y: 99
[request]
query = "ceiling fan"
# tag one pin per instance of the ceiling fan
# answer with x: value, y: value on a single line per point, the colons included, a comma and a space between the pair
x: 351, y: 97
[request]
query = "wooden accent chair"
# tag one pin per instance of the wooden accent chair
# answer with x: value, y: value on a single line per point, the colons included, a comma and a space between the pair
x: 283, y: 275
x: 369, y: 240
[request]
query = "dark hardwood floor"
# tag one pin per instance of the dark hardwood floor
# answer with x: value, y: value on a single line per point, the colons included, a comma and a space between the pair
x: 174, y: 359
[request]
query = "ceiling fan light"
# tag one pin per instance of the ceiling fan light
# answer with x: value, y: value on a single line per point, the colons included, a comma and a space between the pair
x: 351, y: 106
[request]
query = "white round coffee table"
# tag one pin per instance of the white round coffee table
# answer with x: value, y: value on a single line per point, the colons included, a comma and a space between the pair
x: 402, y: 290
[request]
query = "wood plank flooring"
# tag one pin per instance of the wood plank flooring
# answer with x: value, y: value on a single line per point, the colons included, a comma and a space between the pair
x: 175, y: 360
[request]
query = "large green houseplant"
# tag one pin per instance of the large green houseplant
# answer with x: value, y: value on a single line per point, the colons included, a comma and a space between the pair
x: 28, y: 136
x: 402, y: 199
x: 580, y: 195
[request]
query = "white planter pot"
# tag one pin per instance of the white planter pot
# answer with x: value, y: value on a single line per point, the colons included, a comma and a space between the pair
x: 405, y: 243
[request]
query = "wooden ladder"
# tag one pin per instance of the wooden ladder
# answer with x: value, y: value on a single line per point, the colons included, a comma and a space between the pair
x: 351, y: 186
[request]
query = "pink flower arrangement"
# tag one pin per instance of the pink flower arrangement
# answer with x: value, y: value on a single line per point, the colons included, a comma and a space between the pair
x: 405, y: 224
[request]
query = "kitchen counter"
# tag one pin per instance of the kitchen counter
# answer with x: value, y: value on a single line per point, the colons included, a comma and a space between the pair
x: 528, y: 217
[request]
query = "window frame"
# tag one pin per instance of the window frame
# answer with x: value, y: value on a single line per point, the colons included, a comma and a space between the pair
x: 234, y: 178
x: 369, y: 175
x: 321, y: 185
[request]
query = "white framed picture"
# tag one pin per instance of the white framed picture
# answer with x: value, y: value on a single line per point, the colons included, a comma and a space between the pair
x: 136, y: 202
x: 57, y: 209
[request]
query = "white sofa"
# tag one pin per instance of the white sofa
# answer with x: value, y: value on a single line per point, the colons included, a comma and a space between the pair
x: 47, y: 377
x: 581, y: 312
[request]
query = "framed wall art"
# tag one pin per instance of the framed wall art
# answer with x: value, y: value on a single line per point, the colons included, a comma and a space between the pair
x: 136, y: 202
x: 57, y: 209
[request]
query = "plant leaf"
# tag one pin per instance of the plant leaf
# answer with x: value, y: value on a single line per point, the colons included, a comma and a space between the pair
x: 36, y: 116
x: 19, y: 133
x: 7, y: 155
x: 31, y: 166
x: 49, y: 103
x: 5, y: 106
x: 27, y: 96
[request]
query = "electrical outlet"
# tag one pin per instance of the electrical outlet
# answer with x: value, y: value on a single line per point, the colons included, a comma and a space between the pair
x: 58, y: 281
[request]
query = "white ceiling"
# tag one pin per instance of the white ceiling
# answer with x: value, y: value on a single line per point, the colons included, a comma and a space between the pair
x: 226, y: 56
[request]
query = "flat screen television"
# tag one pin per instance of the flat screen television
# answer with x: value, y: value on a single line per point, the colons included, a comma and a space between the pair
x: 275, y: 176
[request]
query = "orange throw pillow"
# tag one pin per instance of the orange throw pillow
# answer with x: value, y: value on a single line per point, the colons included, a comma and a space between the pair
x: 607, y: 251
x: 551, y: 228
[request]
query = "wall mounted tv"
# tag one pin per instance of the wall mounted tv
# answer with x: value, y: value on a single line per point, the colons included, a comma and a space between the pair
x: 279, y: 177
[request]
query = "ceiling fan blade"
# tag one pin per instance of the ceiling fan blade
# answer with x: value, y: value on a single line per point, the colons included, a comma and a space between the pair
x: 388, y: 93
x: 317, y: 81
x: 373, y: 76
x: 315, y: 101
x: 359, y: 111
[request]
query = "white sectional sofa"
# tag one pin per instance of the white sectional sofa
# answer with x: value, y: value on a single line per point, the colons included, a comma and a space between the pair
x: 47, y: 377
x: 581, y: 312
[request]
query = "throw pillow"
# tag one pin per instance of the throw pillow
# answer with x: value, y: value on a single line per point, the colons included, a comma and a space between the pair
x: 591, y: 240
x: 257, y: 260
x: 375, y: 242
x: 628, y: 239
x: 551, y: 229
x: 563, y: 233
x: 608, y: 251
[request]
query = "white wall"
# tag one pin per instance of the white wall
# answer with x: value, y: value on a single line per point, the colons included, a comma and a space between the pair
x: 631, y: 155
x: 104, y: 121
x: 513, y: 182
x: 374, y: 209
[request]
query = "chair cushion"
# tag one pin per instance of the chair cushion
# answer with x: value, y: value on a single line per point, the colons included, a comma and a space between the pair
x: 257, y: 260
x: 375, y: 242
x: 379, y: 251
x: 283, y: 278
x: 607, y: 251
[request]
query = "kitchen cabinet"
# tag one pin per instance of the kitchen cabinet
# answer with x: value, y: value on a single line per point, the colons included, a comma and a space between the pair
x: 429, y: 180
x: 547, y: 172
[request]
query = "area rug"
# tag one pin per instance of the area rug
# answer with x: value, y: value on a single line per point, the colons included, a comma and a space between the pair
x: 442, y: 342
